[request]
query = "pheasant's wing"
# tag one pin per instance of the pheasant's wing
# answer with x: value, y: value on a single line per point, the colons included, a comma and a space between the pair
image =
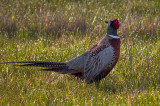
x: 98, y: 59
x: 78, y: 62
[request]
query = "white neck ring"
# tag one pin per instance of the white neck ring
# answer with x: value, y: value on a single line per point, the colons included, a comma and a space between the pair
x: 112, y: 36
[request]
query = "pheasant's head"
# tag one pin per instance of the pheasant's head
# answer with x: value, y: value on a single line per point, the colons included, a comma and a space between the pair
x: 112, y: 26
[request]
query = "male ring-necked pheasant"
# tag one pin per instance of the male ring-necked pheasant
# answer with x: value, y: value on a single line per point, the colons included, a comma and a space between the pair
x: 94, y: 64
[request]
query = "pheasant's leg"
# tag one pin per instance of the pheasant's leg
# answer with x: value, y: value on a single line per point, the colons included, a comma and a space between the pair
x: 97, y: 84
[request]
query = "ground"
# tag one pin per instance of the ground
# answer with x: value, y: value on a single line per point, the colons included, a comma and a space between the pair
x: 61, y: 30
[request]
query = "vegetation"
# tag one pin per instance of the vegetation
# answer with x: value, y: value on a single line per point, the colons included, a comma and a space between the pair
x: 60, y: 30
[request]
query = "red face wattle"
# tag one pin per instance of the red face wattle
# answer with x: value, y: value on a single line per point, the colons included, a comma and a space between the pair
x: 116, y: 23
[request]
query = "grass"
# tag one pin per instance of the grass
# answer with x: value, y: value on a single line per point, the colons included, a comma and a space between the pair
x: 60, y: 30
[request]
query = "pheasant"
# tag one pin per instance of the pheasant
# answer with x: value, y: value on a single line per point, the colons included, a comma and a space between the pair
x: 94, y: 64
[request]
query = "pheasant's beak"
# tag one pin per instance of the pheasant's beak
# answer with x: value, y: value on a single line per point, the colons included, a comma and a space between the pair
x: 119, y: 23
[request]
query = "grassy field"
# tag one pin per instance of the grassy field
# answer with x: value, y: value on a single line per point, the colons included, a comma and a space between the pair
x: 59, y: 30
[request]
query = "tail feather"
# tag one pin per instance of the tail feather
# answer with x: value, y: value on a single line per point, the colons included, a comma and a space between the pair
x: 59, y: 67
x: 62, y: 71
x: 38, y: 63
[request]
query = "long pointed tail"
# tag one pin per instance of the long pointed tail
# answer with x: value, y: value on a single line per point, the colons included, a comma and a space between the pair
x: 59, y: 67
